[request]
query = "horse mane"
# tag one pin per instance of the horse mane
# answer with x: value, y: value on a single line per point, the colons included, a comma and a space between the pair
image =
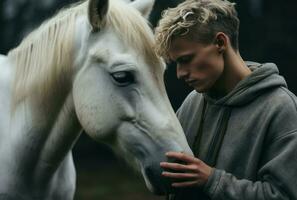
x: 44, y: 59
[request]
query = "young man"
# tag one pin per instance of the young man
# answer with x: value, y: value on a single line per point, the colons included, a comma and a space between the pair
x: 241, y: 120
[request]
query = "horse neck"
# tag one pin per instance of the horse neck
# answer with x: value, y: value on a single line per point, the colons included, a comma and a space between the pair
x: 6, y: 78
x: 63, y: 134
x: 43, y: 107
x: 50, y: 140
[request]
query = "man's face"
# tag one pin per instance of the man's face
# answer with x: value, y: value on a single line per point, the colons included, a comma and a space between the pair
x: 199, y: 65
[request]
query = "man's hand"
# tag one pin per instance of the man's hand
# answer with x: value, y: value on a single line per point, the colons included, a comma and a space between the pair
x: 193, y: 173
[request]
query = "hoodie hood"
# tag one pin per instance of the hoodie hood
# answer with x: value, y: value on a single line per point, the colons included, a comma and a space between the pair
x: 264, y: 77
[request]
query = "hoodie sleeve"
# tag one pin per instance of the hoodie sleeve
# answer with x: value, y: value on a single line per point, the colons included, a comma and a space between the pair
x: 277, y: 177
x: 277, y: 174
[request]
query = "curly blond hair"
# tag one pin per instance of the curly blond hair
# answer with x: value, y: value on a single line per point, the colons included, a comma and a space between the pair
x: 198, y: 20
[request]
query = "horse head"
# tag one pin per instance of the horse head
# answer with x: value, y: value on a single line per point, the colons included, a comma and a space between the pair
x: 118, y: 91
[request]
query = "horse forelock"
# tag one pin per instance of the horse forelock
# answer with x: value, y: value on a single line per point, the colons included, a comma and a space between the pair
x: 134, y: 30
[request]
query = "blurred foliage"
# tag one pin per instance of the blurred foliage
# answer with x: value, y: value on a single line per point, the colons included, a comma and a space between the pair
x: 110, y: 181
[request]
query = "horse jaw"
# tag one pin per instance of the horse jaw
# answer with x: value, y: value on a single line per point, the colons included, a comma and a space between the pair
x: 147, y: 146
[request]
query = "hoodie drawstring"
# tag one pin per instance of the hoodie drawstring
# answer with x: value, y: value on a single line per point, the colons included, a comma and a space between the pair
x: 216, y: 143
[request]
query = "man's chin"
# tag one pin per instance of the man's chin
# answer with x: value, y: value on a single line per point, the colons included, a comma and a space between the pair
x: 200, y: 90
x: 203, y: 88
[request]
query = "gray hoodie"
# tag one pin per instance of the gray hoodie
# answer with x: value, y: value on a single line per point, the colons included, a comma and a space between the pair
x: 249, y: 137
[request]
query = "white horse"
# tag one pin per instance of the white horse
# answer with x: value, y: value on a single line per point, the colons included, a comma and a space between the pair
x: 91, y: 67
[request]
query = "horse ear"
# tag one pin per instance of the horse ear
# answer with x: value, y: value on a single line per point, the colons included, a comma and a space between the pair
x: 97, y: 11
x: 144, y: 6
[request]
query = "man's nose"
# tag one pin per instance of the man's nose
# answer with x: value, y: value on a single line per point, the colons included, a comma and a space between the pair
x: 182, y: 72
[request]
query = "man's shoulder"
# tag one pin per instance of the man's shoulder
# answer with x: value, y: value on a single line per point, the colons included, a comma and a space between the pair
x: 282, y: 97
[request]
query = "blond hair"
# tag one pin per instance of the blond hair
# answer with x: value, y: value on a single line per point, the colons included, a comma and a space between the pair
x: 198, y: 20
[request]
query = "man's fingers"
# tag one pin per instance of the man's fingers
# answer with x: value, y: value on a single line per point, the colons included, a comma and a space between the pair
x: 187, y: 170
x: 173, y: 166
x: 185, y: 184
x: 179, y: 175
x: 181, y: 156
x: 177, y: 166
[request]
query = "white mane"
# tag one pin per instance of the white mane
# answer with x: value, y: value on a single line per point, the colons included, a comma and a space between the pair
x: 44, y: 59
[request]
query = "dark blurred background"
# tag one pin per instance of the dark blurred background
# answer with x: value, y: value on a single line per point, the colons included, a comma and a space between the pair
x: 267, y: 34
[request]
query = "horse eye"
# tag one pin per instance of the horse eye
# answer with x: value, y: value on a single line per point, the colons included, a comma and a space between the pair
x: 123, y: 78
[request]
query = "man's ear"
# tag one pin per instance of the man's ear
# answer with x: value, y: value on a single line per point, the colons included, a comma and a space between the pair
x: 221, y: 41
x: 143, y: 6
x: 97, y: 11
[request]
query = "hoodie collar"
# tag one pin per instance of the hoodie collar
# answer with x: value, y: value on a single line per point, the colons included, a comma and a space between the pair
x: 263, y: 77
